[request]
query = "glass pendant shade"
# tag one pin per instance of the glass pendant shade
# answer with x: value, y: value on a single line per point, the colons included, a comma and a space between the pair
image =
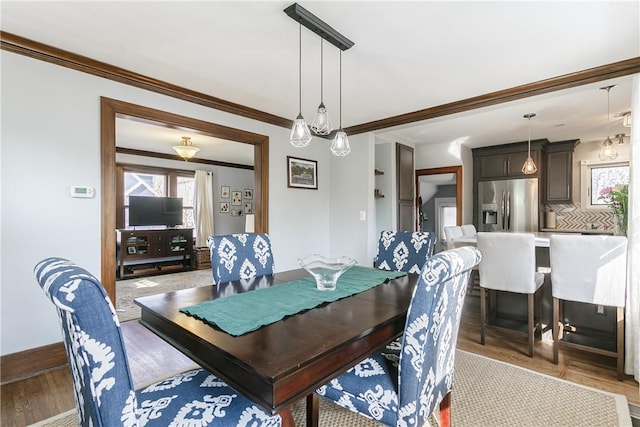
x: 322, y: 124
x: 300, y: 133
x: 185, y: 149
x: 529, y: 166
x: 340, y: 144
x: 607, y: 150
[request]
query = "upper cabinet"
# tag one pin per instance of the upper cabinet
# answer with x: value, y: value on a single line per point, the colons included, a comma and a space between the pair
x: 505, y: 161
x: 559, y: 171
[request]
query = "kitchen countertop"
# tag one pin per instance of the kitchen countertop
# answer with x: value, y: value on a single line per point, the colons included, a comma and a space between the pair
x: 581, y: 230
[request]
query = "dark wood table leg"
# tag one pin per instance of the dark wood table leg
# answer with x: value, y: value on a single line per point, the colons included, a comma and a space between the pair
x: 313, y: 410
x: 287, y: 417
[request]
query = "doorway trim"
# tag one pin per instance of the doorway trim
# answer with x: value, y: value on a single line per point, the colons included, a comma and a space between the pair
x: 110, y: 109
x: 457, y: 170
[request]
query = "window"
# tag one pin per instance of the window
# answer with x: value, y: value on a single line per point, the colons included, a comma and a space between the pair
x: 596, y: 176
x: 156, y: 182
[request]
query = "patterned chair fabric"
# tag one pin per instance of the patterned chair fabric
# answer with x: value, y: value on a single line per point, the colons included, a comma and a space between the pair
x: 404, y: 250
x: 240, y: 256
x: 102, y: 381
x: 404, y: 389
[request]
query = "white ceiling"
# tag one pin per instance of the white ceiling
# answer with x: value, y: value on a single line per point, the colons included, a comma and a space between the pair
x: 407, y: 56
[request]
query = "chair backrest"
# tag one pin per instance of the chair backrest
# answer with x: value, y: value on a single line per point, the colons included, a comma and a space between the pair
x: 431, y: 333
x: 508, y: 261
x: 404, y: 250
x: 103, y: 385
x: 240, y: 256
x: 468, y: 230
x: 589, y: 269
x: 451, y: 233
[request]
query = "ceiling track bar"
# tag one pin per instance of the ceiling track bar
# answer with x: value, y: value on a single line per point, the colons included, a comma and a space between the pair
x: 318, y: 26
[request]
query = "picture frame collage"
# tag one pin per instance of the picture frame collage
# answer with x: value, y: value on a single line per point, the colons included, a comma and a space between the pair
x: 240, y: 201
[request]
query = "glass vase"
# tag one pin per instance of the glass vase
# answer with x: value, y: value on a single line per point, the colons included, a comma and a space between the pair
x: 619, y: 224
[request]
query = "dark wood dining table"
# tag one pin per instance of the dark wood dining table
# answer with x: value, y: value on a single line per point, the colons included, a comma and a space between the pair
x: 281, y: 363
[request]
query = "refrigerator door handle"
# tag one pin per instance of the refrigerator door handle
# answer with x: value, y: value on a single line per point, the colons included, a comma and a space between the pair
x: 508, y: 210
x: 502, y: 209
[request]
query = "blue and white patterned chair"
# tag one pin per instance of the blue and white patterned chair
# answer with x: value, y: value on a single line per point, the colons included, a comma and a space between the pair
x: 404, y: 388
x: 404, y: 250
x: 102, y: 381
x: 240, y: 256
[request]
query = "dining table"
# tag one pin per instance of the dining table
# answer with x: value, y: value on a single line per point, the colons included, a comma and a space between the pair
x: 282, y: 362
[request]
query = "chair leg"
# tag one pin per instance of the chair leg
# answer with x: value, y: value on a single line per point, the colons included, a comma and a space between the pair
x: 313, y: 409
x: 530, y: 323
x: 445, y: 411
x: 555, y: 327
x: 483, y: 313
x: 620, y: 342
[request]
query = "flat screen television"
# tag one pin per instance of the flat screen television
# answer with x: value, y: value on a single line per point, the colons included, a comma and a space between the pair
x: 155, y: 211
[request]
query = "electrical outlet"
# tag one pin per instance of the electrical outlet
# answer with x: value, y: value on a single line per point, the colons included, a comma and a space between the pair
x: 601, y: 310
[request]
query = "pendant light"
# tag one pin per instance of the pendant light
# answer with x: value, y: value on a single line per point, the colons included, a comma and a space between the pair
x: 529, y: 166
x: 185, y: 149
x: 300, y: 134
x: 322, y: 124
x: 340, y: 145
x: 607, y: 150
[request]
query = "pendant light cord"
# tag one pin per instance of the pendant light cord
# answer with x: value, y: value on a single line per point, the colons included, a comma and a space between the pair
x: 321, y: 71
x: 608, y: 132
x: 300, y: 69
x: 529, y: 146
x: 340, y: 90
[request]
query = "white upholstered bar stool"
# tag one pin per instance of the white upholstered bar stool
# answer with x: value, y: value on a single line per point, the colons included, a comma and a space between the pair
x: 451, y: 233
x: 509, y: 264
x: 593, y: 270
x: 468, y: 230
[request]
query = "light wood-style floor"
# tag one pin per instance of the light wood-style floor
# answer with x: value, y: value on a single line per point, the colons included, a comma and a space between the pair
x: 30, y: 400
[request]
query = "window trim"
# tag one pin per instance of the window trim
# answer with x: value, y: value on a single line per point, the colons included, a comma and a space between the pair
x: 585, y: 182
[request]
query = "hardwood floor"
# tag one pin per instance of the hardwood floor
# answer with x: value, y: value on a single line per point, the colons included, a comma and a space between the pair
x: 34, y: 399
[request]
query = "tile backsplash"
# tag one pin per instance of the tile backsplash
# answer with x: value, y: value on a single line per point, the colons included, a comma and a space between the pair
x: 569, y: 216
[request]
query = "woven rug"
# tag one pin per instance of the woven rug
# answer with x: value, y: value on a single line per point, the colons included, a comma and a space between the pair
x: 129, y: 289
x: 488, y: 393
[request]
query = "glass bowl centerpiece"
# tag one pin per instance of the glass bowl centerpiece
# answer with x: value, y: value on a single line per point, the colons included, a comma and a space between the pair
x: 326, y: 270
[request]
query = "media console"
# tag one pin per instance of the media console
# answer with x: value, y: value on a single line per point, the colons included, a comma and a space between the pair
x: 148, y: 252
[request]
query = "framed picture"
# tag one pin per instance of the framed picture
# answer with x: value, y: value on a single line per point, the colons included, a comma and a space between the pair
x: 224, y: 192
x: 131, y: 250
x: 248, y: 208
x: 248, y: 193
x: 302, y: 173
x: 224, y: 207
x: 236, y: 198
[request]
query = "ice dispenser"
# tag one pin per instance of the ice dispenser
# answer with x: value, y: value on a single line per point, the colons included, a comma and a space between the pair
x: 489, y: 213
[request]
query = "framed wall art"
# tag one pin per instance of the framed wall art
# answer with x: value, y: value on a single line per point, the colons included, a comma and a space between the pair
x: 224, y: 192
x: 302, y: 173
x: 236, y: 198
x: 248, y: 208
x: 248, y: 193
x: 224, y: 207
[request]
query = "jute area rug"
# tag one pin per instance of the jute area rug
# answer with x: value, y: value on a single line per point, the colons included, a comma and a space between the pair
x: 488, y: 393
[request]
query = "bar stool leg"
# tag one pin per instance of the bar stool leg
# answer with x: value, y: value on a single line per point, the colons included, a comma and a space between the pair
x: 620, y: 342
x: 530, y: 324
x: 483, y: 313
x: 555, y: 327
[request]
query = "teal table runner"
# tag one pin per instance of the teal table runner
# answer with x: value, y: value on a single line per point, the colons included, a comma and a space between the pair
x: 241, y: 313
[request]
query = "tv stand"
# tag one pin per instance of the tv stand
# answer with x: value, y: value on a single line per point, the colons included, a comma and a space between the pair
x: 149, y: 252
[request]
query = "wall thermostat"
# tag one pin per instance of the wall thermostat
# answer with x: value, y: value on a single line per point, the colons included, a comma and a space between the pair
x: 79, y: 191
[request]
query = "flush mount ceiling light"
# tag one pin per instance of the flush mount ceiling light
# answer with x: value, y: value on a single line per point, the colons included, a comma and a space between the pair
x: 322, y: 126
x: 607, y: 150
x: 529, y: 166
x: 185, y: 149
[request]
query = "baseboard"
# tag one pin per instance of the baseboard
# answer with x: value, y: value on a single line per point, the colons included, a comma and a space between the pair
x: 16, y: 366
x: 634, y: 411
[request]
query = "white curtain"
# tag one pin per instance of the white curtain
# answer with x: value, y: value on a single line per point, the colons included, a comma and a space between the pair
x: 632, y: 314
x: 203, y: 207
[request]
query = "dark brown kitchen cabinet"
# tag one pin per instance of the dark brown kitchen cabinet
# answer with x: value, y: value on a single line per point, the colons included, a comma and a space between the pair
x: 505, y: 161
x: 559, y: 171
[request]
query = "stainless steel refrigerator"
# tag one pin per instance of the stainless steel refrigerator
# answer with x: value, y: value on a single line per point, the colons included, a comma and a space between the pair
x: 508, y: 205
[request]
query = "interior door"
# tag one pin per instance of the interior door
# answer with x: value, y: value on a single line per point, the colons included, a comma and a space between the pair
x: 405, y: 179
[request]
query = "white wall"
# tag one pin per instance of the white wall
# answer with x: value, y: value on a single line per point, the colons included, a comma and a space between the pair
x: 50, y: 140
